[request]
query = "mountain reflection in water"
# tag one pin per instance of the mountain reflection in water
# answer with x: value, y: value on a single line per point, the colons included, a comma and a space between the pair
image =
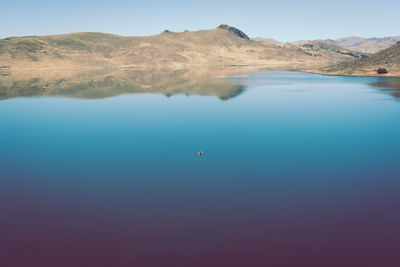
x: 109, y: 83
x: 98, y: 84
x: 389, y: 85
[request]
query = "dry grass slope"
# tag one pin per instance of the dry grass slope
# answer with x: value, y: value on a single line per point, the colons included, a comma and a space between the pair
x: 328, y: 50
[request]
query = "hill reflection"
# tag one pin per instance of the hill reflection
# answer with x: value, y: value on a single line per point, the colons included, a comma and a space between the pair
x: 109, y: 83
x: 390, y: 86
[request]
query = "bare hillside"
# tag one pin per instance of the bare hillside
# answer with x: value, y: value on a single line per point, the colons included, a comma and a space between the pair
x: 223, y: 46
x: 385, y: 62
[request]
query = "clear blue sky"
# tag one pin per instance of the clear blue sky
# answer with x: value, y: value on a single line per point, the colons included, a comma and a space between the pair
x: 284, y: 20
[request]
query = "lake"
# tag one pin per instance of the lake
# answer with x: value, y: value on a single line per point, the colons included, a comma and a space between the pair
x: 101, y: 169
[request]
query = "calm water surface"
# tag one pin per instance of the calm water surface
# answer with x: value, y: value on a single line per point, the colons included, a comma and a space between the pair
x: 298, y: 170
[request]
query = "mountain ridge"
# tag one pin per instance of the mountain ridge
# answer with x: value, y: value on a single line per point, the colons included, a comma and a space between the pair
x: 222, y: 46
x: 354, y: 43
x: 365, y: 45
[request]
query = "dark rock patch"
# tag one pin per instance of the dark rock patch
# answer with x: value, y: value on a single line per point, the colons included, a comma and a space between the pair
x: 382, y: 71
x: 235, y: 31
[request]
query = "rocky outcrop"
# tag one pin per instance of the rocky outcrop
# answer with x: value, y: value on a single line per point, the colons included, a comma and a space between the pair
x: 235, y: 31
x: 381, y: 71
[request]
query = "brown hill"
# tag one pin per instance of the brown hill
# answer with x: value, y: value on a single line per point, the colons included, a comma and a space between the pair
x: 388, y: 59
x: 223, y: 46
x: 327, y: 51
x: 320, y: 50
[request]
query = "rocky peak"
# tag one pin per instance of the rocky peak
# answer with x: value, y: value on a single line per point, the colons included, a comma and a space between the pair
x: 235, y: 31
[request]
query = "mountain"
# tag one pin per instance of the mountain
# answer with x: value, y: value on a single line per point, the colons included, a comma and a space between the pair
x: 365, y: 45
x: 327, y: 50
x: 223, y: 46
x: 387, y: 60
x: 320, y: 50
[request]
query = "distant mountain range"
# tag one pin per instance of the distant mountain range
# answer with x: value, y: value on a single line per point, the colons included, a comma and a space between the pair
x: 372, y: 56
x: 267, y: 40
x: 365, y: 45
x: 357, y: 44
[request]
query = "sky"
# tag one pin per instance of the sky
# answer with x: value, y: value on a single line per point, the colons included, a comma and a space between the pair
x: 284, y: 20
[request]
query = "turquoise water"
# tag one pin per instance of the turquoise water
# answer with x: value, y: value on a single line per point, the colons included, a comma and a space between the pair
x: 298, y: 170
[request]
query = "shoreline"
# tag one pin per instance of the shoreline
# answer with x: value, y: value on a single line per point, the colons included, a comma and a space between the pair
x: 388, y: 75
x: 236, y: 68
